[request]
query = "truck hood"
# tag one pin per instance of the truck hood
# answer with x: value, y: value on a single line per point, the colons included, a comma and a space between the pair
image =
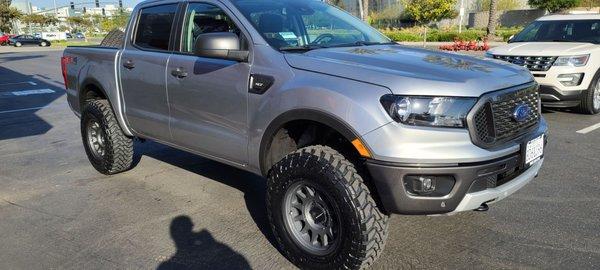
x: 544, y: 48
x: 412, y: 71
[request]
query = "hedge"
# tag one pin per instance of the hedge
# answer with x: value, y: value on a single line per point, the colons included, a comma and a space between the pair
x: 436, y: 35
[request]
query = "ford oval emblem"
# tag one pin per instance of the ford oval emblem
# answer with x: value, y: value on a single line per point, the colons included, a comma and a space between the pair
x: 521, y: 113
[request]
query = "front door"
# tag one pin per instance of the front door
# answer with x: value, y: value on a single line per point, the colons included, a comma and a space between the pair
x: 208, y: 96
x: 142, y: 68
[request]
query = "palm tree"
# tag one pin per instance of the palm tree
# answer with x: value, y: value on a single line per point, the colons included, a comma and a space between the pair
x: 491, y: 28
x: 366, y: 9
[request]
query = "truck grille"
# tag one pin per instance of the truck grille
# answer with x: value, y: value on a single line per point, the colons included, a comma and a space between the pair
x: 533, y: 63
x: 492, y: 120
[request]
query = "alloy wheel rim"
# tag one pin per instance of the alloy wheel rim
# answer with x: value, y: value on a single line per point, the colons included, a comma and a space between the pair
x: 96, y: 139
x: 597, y: 96
x: 311, y: 219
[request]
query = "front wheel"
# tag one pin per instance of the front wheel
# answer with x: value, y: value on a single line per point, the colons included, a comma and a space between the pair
x: 18, y: 44
x: 109, y: 150
x: 322, y: 213
x: 590, y: 103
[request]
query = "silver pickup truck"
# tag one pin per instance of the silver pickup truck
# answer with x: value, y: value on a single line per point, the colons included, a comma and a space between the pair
x: 347, y: 126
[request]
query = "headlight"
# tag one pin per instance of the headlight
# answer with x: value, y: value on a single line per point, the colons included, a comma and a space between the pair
x: 572, y: 61
x: 428, y: 111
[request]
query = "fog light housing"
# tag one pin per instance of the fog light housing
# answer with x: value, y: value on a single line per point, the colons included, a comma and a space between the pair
x: 573, y: 79
x: 428, y: 185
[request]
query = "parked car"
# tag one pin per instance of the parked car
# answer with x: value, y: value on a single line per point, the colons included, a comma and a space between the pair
x: 346, y: 125
x: 4, y: 39
x: 23, y: 40
x: 563, y: 54
x: 79, y: 35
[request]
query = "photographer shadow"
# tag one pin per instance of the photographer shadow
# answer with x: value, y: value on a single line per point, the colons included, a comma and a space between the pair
x: 199, y: 250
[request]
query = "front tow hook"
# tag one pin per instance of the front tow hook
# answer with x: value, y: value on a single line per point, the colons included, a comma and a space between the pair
x: 482, y: 208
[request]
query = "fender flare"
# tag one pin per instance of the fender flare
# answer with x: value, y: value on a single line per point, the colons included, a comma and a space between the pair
x: 87, y: 82
x: 120, y: 118
x: 321, y: 117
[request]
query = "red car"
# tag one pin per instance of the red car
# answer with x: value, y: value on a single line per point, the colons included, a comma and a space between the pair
x: 4, y: 39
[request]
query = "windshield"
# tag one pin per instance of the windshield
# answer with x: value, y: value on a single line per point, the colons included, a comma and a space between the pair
x: 561, y: 31
x: 307, y: 24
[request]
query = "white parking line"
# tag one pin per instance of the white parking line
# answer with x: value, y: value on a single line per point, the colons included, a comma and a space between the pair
x: 33, y: 92
x: 30, y: 83
x: 22, y: 110
x: 589, y: 129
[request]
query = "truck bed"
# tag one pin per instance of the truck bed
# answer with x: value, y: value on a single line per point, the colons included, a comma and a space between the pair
x: 94, y: 67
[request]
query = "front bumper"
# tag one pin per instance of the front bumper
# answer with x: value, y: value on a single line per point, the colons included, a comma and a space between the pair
x: 474, y: 183
x: 553, y: 97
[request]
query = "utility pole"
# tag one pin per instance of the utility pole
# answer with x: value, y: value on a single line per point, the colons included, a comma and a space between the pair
x: 55, y: 9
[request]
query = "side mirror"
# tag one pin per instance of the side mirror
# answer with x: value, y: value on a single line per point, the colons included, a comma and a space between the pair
x: 223, y: 45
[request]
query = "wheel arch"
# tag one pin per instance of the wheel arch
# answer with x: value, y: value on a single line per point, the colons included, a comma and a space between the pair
x: 91, y: 88
x: 310, y: 115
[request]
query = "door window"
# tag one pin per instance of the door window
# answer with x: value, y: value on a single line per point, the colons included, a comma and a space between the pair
x: 154, y: 27
x: 202, y: 18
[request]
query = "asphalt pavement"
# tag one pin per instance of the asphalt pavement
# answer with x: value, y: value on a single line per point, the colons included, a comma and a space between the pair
x: 57, y: 212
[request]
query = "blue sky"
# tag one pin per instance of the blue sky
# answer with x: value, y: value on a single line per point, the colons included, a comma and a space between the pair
x: 50, y: 3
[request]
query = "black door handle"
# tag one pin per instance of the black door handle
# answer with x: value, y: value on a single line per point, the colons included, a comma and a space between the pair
x: 179, y: 73
x: 128, y: 64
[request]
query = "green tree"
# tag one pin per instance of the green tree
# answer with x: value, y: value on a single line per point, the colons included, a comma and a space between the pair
x: 427, y: 11
x: 39, y: 19
x: 590, y: 3
x: 424, y: 12
x: 554, y: 6
x: 78, y: 24
x: 484, y: 5
x: 8, y: 15
x: 118, y: 21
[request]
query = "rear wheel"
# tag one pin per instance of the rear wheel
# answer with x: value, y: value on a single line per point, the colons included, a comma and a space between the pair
x: 322, y: 213
x: 43, y: 44
x: 590, y: 103
x: 109, y: 150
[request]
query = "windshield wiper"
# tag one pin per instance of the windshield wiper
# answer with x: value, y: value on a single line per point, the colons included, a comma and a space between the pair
x: 303, y: 48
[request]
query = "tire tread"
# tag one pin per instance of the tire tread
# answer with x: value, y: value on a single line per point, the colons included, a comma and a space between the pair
x: 373, y: 221
x: 119, y: 155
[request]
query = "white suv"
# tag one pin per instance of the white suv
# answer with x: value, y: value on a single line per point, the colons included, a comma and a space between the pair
x: 563, y: 54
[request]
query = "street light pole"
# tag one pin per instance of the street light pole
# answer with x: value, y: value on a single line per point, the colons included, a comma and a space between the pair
x: 55, y: 9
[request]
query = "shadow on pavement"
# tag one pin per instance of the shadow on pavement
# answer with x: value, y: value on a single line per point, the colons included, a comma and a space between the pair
x: 199, y: 250
x: 252, y: 185
x: 18, y: 57
x: 18, y: 116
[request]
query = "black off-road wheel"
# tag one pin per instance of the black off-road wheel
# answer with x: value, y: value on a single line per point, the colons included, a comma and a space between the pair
x: 322, y: 214
x: 109, y: 150
x: 590, y: 103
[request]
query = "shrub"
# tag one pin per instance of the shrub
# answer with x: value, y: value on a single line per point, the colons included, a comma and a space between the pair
x: 447, y: 35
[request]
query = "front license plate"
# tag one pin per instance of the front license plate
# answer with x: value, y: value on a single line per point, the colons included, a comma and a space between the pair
x: 534, y: 150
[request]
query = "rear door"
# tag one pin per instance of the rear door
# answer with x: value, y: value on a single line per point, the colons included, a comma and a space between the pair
x: 142, y: 68
x: 209, y: 104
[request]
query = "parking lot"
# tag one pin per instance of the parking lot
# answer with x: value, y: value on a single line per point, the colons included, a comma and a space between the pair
x: 57, y: 212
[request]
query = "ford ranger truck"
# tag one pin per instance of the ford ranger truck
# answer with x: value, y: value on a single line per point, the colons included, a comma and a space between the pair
x: 563, y: 54
x: 347, y: 126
